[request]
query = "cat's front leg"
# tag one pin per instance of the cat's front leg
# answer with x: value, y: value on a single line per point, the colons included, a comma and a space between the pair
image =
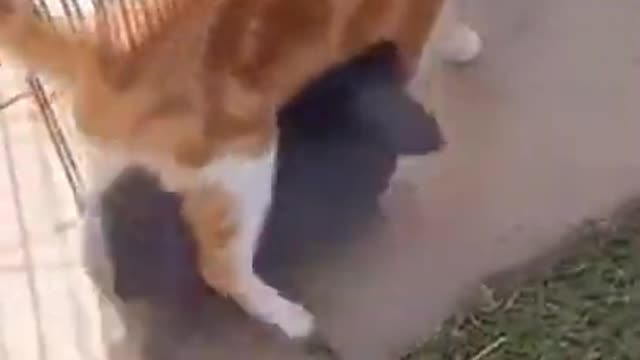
x: 226, y: 232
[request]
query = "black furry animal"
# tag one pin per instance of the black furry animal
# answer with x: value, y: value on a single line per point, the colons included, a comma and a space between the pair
x: 339, y: 142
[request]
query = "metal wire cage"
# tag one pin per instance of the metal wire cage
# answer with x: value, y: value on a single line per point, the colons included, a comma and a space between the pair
x: 48, y: 308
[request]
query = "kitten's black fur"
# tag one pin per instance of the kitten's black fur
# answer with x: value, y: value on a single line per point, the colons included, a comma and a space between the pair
x: 339, y: 142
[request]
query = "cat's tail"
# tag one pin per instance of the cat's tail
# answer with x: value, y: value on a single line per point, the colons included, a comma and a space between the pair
x: 41, y: 46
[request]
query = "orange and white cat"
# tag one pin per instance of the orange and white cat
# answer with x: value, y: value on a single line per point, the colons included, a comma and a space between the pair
x: 195, y: 102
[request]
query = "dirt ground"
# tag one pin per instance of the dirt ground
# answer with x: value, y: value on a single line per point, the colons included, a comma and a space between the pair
x: 542, y: 134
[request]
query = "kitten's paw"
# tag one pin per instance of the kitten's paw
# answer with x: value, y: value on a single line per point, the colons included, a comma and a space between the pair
x: 461, y: 46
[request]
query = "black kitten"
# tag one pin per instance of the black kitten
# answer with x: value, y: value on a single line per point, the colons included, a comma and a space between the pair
x: 339, y: 142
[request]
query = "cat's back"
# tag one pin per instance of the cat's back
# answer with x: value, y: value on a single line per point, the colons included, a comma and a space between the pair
x: 274, y: 45
x: 234, y: 61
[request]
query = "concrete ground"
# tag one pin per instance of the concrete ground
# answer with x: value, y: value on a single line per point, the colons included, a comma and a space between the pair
x: 542, y: 134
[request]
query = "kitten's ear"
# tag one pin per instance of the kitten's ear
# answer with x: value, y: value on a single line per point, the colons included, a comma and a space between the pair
x: 399, y: 122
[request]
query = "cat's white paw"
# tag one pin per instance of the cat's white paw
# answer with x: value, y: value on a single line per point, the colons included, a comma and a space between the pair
x: 293, y: 319
x: 461, y: 45
x: 267, y: 305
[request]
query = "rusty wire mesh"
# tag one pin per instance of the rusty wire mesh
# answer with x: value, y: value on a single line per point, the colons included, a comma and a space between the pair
x: 32, y: 116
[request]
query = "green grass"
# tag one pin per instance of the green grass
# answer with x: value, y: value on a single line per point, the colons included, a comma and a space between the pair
x: 587, y: 307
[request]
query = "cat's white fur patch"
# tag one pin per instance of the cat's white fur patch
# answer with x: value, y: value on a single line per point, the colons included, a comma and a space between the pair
x: 250, y: 182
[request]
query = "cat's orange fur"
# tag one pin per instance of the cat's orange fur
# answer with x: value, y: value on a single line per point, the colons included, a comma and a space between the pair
x: 204, y: 85
x: 254, y: 54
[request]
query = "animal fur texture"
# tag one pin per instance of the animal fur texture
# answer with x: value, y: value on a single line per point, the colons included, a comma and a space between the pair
x: 347, y: 128
x: 195, y: 101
